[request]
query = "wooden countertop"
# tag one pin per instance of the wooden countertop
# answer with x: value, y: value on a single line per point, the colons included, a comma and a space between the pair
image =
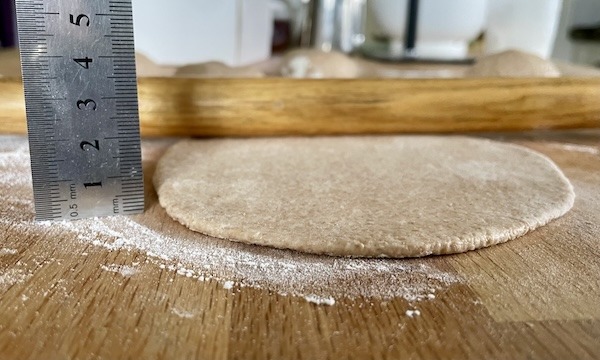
x: 535, y: 297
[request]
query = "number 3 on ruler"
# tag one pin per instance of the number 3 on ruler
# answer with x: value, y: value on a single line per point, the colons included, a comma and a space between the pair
x: 83, y: 104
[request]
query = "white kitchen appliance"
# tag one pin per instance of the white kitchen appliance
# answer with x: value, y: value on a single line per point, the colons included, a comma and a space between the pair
x: 178, y: 32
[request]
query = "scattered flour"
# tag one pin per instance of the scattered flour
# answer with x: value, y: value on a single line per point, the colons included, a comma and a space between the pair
x: 126, y: 271
x: 320, y: 300
x: 412, y: 313
x: 577, y: 148
x: 183, y: 313
x: 7, y: 251
x: 12, y: 277
x: 318, y: 279
x: 286, y: 272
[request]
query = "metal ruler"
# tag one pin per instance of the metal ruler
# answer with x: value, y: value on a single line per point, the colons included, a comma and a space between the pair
x: 78, y: 64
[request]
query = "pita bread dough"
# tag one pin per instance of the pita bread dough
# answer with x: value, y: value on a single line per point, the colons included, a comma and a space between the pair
x: 361, y: 196
x: 317, y: 64
x: 513, y: 63
x: 215, y: 69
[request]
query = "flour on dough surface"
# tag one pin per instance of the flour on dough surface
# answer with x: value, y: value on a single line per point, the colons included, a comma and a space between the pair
x: 394, y: 196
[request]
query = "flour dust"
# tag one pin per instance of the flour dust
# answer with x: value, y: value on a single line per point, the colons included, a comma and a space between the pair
x: 318, y: 279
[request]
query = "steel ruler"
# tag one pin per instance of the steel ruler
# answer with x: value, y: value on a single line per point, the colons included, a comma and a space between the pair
x: 78, y: 65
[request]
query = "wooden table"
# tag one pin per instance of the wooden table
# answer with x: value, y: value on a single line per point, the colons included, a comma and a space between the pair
x: 536, y: 297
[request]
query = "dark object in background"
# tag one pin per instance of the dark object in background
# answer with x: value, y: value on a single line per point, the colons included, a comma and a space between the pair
x: 282, y: 34
x: 591, y: 33
x: 282, y: 27
x: 587, y: 34
x: 410, y: 40
x: 8, y: 24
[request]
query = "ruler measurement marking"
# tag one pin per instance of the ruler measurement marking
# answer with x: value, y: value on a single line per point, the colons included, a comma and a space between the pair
x: 122, y: 138
x: 121, y: 16
x: 120, y: 177
x: 42, y: 35
x: 49, y: 205
x: 132, y: 186
x: 128, y: 130
x: 58, y: 199
x: 126, y: 157
x: 113, y: 56
x: 130, y: 200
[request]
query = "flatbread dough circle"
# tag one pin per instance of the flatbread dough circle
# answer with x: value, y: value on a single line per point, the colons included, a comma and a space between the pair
x: 398, y: 196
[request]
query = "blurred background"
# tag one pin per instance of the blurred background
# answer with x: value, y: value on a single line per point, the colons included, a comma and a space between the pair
x: 249, y: 34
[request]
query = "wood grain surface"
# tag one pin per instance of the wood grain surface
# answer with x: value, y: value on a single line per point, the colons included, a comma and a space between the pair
x: 535, y: 297
x: 275, y: 106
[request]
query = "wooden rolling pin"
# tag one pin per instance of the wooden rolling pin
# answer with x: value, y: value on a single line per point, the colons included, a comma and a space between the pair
x: 276, y: 106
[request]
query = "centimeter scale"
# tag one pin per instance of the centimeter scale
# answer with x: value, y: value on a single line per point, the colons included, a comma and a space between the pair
x: 78, y: 63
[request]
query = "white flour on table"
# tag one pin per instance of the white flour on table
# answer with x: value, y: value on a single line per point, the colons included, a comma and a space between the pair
x: 7, y: 251
x: 318, y: 279
x: 123, y: 270
x: 577, y: 148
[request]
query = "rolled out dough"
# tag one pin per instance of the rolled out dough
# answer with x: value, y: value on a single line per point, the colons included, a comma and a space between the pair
x: 362, y: 196
x: 513, y: 63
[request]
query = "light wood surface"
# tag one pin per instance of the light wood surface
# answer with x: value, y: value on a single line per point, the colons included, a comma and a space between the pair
x: 535, y: 297
x: 10, y: 63
x: 274, y: 106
